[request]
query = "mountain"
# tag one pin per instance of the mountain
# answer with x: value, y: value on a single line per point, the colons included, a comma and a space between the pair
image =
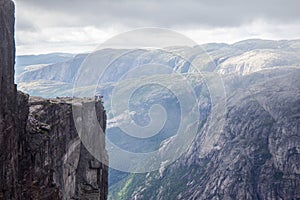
x: 239, y: 58
x: 255, y: 154
x: 57, y: 71
x: 24, y: 62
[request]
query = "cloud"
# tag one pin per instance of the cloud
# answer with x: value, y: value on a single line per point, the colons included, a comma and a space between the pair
x: 166, y: 13
x: 67, y: 20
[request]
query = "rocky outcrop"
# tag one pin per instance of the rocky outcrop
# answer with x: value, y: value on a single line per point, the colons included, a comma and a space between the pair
x: 42, y: 156
x: 54, y: 163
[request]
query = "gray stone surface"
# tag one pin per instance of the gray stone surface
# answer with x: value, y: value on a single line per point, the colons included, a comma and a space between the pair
x: 41, y: 156
x: 255, y: 156
x: 54, y: 162
x: 13, y: 106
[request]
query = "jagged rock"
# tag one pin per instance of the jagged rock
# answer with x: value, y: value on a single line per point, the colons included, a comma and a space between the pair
x: 255, y: 156
x: 54, y: 159
x: 42, y: 157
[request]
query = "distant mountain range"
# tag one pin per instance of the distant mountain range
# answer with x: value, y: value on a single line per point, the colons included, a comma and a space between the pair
x: 24, y: 62
x: 43, y: 74
x: 256, y: 153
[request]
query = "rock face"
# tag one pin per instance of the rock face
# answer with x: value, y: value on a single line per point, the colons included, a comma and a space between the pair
x: 258, y: 152
x: 54, y: 163
x: 13, y: 106
x: 42, y: 156
x: 256, y: 156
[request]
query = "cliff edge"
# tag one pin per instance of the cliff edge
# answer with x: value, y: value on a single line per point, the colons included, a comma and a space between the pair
x: 42, y: 156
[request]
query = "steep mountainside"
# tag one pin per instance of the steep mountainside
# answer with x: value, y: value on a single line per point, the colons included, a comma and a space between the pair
x: 257, y: 154
x: 41, y: 154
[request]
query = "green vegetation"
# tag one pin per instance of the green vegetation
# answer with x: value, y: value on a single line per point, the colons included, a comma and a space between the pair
x: 174, y: 184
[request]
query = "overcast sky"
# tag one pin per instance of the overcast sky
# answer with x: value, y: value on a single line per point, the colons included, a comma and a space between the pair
x: 78, y: 26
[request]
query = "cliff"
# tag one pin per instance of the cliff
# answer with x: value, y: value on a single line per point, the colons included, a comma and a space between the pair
x: 42, y: 156
x: 13, y: 107
x: 53, y: 161
x: 255, y: 156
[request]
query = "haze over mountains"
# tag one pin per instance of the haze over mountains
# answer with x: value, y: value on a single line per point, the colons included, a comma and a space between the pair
x: 53, y: 74
x: 151, y: 115
x: 256, y: 153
